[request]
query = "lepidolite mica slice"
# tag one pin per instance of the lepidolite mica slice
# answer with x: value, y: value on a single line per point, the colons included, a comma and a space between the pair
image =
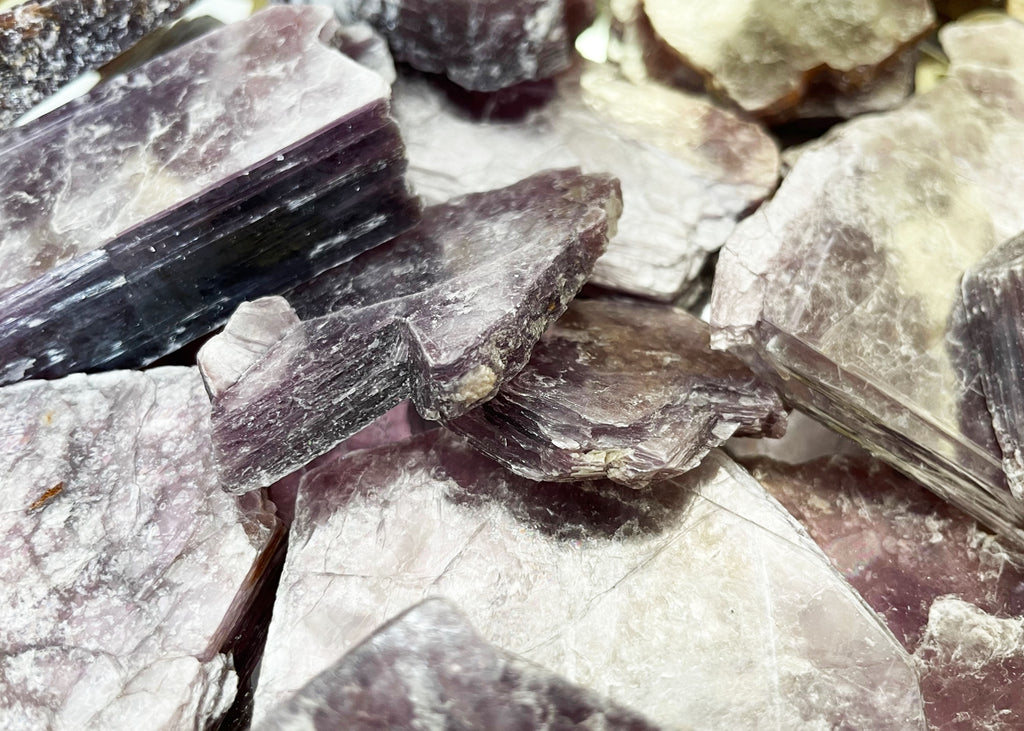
x: 443, y: 315
x: 845, y: 288
x: 766, y: 54
x: 127, y: 570
x: 428, y: 668
x: 697, y: 599
x: 134, y: 219
x: 689, y: 169
x: 623, y: 390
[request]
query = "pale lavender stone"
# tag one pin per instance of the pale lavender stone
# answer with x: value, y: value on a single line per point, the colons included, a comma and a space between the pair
x: 697, y: 599
x: 443, y: 315
x: 428, y: 668
x: 129, y: 571
x: 136, y: 218
x: 625, y: 390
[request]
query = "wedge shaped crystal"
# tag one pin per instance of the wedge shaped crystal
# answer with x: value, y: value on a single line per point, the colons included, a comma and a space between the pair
x: 845, y: 288
x: 428, y: 668
x: 443, y: 314
x: 624, y: 390
x: 129, y: 571
x: 667, y: 600
x: 136, y: 218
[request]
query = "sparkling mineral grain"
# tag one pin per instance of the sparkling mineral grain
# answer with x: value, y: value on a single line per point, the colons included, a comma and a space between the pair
x: 697, y: 599
x: 994, y: 298
x: 127, y: 569
x: 482, y: 45
x: 766, y: 54
x: 135, y: 219
x: 428, y: 668
x: 444, y: 314
x: 939, y: 580
x: 44, y: 43
x: 689, y: 169
x: 845, y: 288
x: 624, y: 390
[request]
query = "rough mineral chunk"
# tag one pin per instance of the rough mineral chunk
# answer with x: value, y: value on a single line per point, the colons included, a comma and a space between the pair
x: 944, y: 586
x: 128, y: 571
x: 47, y: 42
x: 846, y: 286
x: 994, y: 298
x: 428, y: 668
x: 689, y: 169
x: 624, y: 390
x: 135, y: 219
x: 669, y: 600
x: 764, y: 54
x: 482, y: 45
x: 444, y: 314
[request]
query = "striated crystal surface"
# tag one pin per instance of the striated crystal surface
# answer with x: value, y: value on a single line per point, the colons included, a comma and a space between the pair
x: 765, y: 54
x: 624, y: 390
x: 128, y: 569
x: 698, y: 598
x: 44, y: 43
x: 482, y: 45
x: 846, y: 287
x: 689, y: 169
x: 429, y: 668
x: 994, y: 299
x: 443, y: 314
x: 136, y: 218
x: 940, y: 581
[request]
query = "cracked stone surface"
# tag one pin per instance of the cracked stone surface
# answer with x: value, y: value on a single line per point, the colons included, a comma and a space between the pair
x: 428, y: 668
x: 845, y: 288
x: 993, y: 292
x: 666, y: 600
x: 443, y: 315
x: 624, y: 390
x: 137, y: 217
x: 46, y: 43
x: 689, y: 169
x: 130, y: 568
x: 765, y: 54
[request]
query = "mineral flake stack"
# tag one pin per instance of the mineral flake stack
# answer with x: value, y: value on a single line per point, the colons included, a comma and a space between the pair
x: 845, y: 288
x: 443, y: 315
x: 127, y: 569
x: 697, y: 599
x: 625, y: 390
x: 429, y: 664
x: 136, y: 218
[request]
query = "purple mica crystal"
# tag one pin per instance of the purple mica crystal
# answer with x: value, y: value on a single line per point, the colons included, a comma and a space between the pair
x: 429, y: 668
x: 624, y: 390
x: 128, y: 571
x: 699, y: 598
x: 443, y: 315
x: 135, y: 219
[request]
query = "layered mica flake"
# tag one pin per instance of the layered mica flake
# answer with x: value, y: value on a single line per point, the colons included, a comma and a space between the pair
x: 443, y: 315
x: 624, y: 390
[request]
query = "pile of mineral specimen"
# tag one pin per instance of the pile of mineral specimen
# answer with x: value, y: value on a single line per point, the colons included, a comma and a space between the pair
x: 487, y: 377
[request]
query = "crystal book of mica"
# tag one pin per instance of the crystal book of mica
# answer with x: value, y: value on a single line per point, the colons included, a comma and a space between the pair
x: 135, y: 219
x: 846, y: 287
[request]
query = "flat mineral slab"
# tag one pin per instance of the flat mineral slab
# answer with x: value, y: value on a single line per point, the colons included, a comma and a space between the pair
x: 689, y: 169
x: 135, y: 219
x: 45, y: 43
x: 443, y: 314
x: 698, y: 598
x: 624, y: 390
x: 428, y: 668
x: 764, y: 54
x: 845, y: 288
x: 128, y: 569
